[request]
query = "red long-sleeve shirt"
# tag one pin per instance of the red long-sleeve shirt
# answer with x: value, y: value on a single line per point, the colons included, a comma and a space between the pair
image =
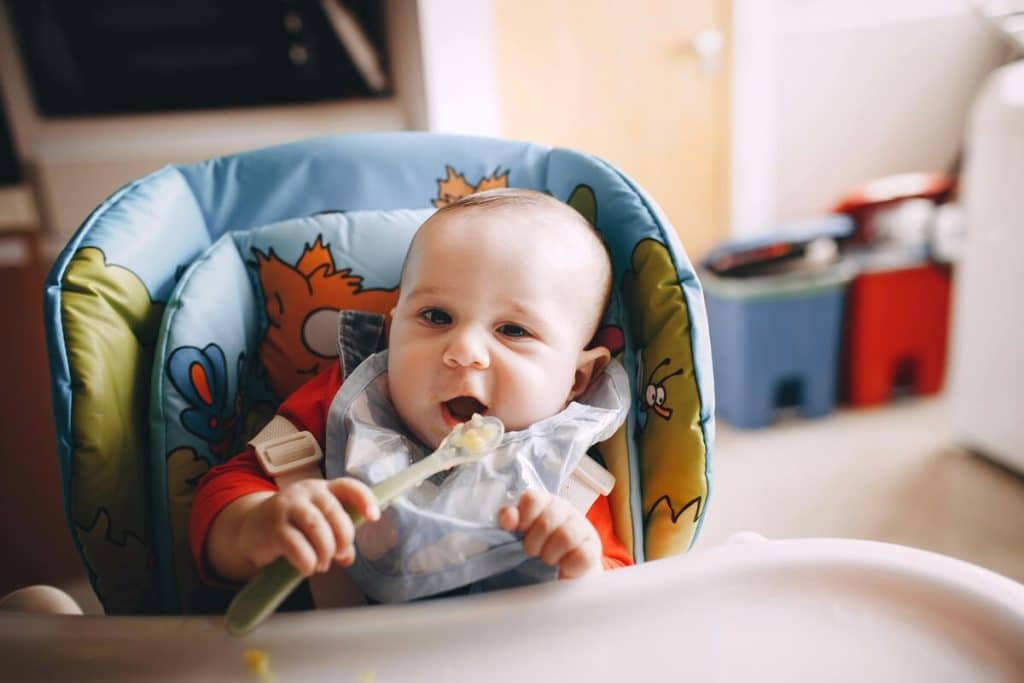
x: 307, y: 409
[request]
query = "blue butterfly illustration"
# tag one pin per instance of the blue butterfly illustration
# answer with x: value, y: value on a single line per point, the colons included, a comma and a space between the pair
x: 200, y: 376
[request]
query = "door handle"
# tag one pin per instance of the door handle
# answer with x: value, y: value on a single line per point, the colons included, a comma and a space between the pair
x: 707, y: 46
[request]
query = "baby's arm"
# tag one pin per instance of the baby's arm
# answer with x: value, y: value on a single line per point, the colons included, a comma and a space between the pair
x: 304, y: 522
x: 555, y: 531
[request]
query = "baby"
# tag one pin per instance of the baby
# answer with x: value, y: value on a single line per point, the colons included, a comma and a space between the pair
x: 501, y: 294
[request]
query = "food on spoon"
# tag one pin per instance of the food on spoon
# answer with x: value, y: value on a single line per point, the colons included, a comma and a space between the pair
x: 473, y: 436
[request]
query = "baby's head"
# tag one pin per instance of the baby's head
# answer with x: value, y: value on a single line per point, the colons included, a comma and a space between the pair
x: 501, y: 294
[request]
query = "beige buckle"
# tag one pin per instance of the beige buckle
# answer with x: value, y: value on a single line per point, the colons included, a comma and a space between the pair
x: 288, y: 453
x: 588, y: 481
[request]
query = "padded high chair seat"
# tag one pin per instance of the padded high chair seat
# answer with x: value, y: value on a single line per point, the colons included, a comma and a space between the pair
x: 193, y: 300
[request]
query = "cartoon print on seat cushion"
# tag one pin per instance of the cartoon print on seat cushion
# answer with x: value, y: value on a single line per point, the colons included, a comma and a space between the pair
x: 669, y: 455
x: 201, y: 377
x: 302, y: 300
x: 454, y: 185
x: 109, y: 492
x: 672, y: 449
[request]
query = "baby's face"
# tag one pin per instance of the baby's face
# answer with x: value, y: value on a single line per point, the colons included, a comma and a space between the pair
x: 491, y: 319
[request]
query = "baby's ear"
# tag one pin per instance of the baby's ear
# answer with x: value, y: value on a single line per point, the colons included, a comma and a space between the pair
x: 588, y: 366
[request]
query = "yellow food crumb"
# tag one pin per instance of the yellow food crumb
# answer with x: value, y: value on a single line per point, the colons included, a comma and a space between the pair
x: 367, y: 677
x: 258, y: 662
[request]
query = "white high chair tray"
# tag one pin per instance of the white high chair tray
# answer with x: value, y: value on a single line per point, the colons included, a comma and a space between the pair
x: 812, y: 609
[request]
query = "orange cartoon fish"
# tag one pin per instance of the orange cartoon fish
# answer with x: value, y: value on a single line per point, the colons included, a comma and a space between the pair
x: 302, y: 304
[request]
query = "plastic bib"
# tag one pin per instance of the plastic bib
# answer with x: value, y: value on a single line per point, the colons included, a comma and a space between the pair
x: 443, y: 534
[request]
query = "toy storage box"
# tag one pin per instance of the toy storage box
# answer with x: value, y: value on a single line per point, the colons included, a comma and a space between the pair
x: 896, y: 332
x: 776, y: 343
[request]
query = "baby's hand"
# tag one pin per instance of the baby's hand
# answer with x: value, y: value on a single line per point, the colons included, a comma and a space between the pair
x: 306, y: 523
x: 555, y: 531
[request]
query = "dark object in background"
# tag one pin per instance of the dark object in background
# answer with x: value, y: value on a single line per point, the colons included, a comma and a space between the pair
x: 118, y: 56
x: 8, y: 162
x: 758, y: 260
x: 795, y: 247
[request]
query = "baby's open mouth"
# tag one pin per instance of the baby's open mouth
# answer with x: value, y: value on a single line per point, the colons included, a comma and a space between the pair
x: 461, y: 408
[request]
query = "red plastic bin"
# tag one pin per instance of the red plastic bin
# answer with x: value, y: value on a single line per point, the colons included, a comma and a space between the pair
x: 897, y: 328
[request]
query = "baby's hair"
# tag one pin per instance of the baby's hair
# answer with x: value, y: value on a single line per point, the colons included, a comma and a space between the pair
x: 506, y: 196
x: 514, y: 197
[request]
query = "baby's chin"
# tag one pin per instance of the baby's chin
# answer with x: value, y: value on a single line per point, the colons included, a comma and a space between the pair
x: 431, y: 436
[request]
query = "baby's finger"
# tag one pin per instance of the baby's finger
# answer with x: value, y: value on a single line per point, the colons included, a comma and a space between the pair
x: 346, y: 557
x: 569, y: 536
x: 356, y: 495
x: 339, y: 522
x: 553, y: 516
x: 297, y: 550
x: 308, y: 519
x: 582, y: 559
x: 531, y: 505
x: 508, y: 518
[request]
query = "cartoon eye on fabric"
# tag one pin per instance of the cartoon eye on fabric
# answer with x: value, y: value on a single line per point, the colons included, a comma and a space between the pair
x: 320, y: 332
x: 200, y: 376
x: 655, y: 394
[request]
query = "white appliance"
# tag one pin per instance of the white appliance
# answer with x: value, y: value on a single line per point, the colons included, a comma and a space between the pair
x: 987, y: 381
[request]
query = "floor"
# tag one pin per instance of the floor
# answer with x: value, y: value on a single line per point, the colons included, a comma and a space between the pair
x: 887, y: 474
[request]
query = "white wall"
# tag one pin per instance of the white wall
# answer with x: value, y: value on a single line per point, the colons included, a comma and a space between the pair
x: 828, y: 94
x: 460, y: 81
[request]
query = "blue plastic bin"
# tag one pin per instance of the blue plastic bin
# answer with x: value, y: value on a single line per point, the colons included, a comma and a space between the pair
x: 774, y: 348
x: 775, y: 339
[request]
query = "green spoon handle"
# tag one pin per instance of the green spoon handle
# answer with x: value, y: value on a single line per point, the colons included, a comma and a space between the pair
x: 265, y: 592
x: 261, y: 596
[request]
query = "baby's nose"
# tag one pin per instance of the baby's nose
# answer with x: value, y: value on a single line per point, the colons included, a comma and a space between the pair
x: 467, y: 349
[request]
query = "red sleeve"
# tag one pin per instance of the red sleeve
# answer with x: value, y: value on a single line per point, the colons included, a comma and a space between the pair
x: 241, y: 475
x: 613, y: 552
x: 307, y: 408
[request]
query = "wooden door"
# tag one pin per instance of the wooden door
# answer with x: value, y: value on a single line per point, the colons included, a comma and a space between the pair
x: 622, y: 80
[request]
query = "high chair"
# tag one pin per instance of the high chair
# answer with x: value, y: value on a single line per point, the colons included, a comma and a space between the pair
x: 193, y: 300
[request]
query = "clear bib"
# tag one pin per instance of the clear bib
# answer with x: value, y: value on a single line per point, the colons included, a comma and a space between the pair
x: 443, y: 534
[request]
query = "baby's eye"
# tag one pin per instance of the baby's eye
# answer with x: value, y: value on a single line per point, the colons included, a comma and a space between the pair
x: 435, y: 316
x: 512, y: 330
